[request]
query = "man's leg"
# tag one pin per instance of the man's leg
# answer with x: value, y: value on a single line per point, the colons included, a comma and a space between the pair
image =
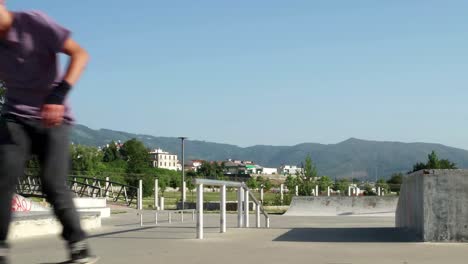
x: 14, y: 150
x: 52, y: 147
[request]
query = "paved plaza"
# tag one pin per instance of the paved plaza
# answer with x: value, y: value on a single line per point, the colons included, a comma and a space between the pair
x: 321, y: 240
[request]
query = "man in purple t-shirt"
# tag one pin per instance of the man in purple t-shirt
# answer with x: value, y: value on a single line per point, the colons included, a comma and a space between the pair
x: 36, y: 119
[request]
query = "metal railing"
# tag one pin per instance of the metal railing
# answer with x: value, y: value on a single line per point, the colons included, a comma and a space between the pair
x: 243, y: 210
x: 83, y: 187
x: 169, y: 214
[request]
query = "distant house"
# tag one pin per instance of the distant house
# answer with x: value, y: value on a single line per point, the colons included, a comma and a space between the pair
x: 290, y: 169
x: 164, y: 160
x: 234, y: 168
x: 270, y: 171
x: 253, y: 169
x: 193, y: 165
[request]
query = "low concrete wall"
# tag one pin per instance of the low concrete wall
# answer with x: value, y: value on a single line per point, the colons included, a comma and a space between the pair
x: 434, y: 205
x: 343, y: 206
x: 35, y: 224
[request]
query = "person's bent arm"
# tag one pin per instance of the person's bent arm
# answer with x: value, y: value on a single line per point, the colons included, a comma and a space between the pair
x: 53, y: 109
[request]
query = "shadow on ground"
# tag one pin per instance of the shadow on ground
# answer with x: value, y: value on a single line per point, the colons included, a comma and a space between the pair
x: 348, y: 235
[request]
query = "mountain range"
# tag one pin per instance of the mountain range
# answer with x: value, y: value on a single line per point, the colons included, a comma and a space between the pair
x: 353, y: 158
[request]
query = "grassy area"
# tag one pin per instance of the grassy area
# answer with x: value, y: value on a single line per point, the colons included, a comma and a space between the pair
x: 171, y: 198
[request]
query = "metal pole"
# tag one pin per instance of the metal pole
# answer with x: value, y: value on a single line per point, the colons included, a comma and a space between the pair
x: 156, y: 217
x: 240, y: 199
x: 297, y: 190
x: 200, y: 211
x: 316, y: 190
x: 246, y: 209
x: 182, y: 216
x: 183, y: 171
x: 156, y: 194
x: 223, y: 209
x: 107, y: 187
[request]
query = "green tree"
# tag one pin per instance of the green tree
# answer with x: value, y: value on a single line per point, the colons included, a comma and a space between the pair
x: 136, y: 155
x: 342, y: 186
x: 252, y: 183
x: 85, y: 160
x: 395, y: 182
x: 368, y: 191
x: 382, y: 184
x: 291, y: 182
x: 307, y: 177
x: 325, y: 182
x: 111, y: 153
x: 434, y: 163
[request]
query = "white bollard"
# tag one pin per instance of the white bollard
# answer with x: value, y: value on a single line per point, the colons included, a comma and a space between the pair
x: 184, y: 194
x: 328, y: 191
x: 349, y: 190
x: 140, y: 195
x: 141, y: 219
x: 240, y: 199
x: 282, y: 192
x: 378, y: 191
x: 156, y: 194
x: 156, y: 217
x: 261, y: 195
x: 107, y: 187
x: 257, y: 215
x: 161, y: 203
x: 200, y: 211
x: 316, y: 190
x: 313, y: 192
x: 297, y: 190
x: 223, y: 209
x: 246, y: 209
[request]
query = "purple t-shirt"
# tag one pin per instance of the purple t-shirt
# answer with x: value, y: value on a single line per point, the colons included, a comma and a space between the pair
x: 29, y: 64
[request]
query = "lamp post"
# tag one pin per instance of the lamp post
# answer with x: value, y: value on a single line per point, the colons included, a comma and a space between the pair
x: 183, y: 171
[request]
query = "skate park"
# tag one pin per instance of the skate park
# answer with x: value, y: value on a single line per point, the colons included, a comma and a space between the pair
x: 423, y: 226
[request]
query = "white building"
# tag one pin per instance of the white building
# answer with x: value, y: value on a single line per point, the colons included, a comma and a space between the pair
x: 290, y: 169
x: 270, y: 171
x: 164, y: 160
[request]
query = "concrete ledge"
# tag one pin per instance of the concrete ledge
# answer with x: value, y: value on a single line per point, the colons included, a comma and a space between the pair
x: 90, y: 202
x: 105, y: 212
x: 343, y: 206
x: 434, y: 205
x: 36, y: 224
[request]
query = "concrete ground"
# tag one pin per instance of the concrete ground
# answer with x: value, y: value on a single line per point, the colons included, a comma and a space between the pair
x: 324, y: 240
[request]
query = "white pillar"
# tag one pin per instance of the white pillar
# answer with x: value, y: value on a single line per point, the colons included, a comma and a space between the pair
x: 156, y: 194
x: 223, y: 209
x: 184, y: 194
x: 240, y: 199
x: 200, y: 211
x: 261, y: 195
x: 313, y: 192
x: 156, y: 217
x: 246, y: 209
x: 328, y: 191
x: 282, y: 192
x: 107, y: 187
x: 316, y: 190
x: 297, y: 190
x: 349, y: 190
x: 140, y: 195
x: 257, y: 216
x: 161, y: 204
x: 378, y: 191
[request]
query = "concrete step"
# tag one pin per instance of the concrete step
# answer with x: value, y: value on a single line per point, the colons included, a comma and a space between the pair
x: 35, y: 224
x: 104, y: 211
x: 90, y: 202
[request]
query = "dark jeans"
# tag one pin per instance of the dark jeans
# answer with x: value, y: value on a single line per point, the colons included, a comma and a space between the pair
x: 19, y: 138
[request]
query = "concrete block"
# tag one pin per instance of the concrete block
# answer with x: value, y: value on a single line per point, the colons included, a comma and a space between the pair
x: 434, y: 205
x: 36, y: 224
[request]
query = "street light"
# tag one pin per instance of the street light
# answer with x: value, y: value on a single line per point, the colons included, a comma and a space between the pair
x: 183, y: 171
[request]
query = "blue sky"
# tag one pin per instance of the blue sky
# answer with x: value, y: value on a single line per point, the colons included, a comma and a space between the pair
x: 250, y: 72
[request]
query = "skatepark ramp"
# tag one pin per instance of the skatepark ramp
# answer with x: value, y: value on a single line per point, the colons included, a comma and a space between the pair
x: 343, y: 206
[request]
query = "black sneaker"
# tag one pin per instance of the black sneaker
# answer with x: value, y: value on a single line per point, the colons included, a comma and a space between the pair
x: 79, y: 253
